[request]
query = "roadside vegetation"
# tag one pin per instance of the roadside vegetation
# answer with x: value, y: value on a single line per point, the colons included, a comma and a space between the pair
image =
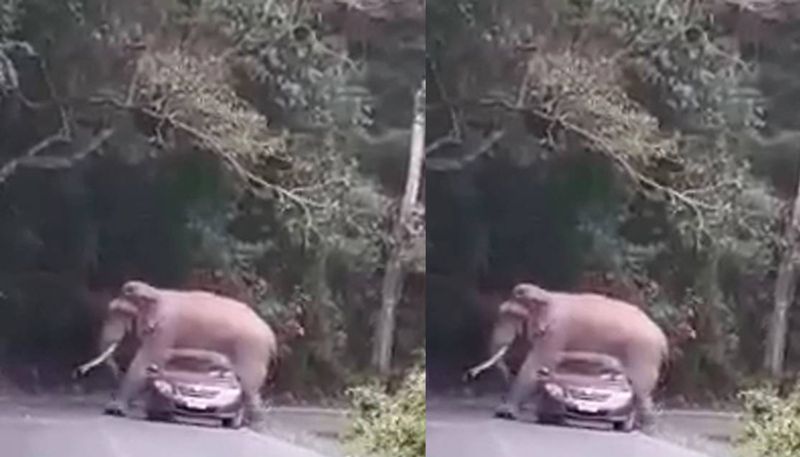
x: 772, y: 423
x: 389, y: 424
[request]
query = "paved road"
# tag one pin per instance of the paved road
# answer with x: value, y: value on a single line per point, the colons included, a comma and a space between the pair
x: 75, y: 431
x: 470, y: 432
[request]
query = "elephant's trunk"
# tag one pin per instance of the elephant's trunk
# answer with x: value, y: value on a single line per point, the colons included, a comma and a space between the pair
x: 83, y: 369
x: 473, y: 372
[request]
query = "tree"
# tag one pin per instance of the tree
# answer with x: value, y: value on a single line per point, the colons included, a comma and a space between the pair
x: 612, y: 136
x: 785, y: 285
x: 246, y: 131
x: 394, y: 275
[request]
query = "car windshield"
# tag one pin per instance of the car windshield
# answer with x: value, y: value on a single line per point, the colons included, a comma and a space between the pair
x: 585, y: 367
x: 195, y: 364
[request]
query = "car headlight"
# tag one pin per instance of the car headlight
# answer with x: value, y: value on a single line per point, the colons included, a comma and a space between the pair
x: 623, y: 397
x: 229, y: 395
x: 163, y: 387
x: 554, y: 390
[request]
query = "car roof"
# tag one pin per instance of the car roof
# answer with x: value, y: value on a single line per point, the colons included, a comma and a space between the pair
x: 592, y: 357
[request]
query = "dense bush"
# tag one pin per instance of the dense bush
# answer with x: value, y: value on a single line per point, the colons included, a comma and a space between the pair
x: 389, y: 425
x: 772, y: 426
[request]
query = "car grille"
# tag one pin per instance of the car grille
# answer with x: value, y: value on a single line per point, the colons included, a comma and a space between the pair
x: 578, y: 412
x: 583, y: 394
x: 198, y: 392
x: 189, y: 409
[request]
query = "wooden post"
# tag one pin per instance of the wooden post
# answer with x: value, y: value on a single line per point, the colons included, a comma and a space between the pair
x: 393, y: 279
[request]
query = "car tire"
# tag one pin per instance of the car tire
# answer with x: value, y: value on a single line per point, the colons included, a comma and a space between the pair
x: 234, y: 422
x: 159, y: 416
x: 627, y: 425
x: 549, y: 419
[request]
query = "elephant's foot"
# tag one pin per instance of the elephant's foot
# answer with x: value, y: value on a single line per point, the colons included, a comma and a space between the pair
x: 507, y: 411
x: 255, y: 416
x: 645, y: 422
x: 116, y: 408
x: 255, y: 412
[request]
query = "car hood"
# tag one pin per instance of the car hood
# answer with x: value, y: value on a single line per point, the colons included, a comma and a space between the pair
x: 204, y: 379
x: 592, y: 382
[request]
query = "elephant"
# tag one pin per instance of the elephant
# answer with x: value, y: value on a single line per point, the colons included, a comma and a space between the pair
x: 112, y: 350
x: 509, y: 327
x: 165, y: 319
x: 587, y: 322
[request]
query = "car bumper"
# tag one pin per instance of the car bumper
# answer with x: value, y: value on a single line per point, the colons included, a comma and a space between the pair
x: 179, y: 407
x: 583, y: 410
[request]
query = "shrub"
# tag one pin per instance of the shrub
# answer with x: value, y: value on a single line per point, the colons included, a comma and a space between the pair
x: 389, y: 425
x: 772, y: 423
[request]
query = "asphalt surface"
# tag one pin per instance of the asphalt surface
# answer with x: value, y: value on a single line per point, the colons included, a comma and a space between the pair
x: 82, y: 431
x: 471, y: 432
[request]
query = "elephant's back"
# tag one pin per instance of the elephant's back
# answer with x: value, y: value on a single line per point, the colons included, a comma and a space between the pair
x: 616, y: 322
x: 223, y: 317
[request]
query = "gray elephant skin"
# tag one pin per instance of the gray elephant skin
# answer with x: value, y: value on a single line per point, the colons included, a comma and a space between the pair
x: 561, y: 321
x: 164, y: 319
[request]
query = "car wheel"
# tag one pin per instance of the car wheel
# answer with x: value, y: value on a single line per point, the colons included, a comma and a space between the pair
x: 161, y: 416
x: 627, y: 425
x: 549, y: 419
x: 235, y: 421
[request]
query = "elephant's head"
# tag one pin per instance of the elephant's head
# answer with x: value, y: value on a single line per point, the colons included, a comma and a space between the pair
x: 536, y: 302
x: 531, y: 296
x: 510, y: 323
x: 131, y: 312
x: 509, y: 326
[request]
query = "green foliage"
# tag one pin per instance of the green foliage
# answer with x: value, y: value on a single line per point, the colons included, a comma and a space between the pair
x: 772, y: 423
x: 657, y: 99
x: 265, y: 94
x: 389, y: 425
x: 9, y: 12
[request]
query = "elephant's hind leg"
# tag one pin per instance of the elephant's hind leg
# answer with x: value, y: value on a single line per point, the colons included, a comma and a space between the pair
x: 252, y: 376
x: 643, y: 381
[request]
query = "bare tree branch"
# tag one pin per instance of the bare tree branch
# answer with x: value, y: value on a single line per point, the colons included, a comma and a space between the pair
x: 451, y: 164
x: 11, y: 166
x: 51, y: 162
x: 305, y: 204
x: 610, y: 152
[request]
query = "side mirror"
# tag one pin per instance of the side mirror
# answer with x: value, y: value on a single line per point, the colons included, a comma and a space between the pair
x: 543, y: 372
x: 152, y: 369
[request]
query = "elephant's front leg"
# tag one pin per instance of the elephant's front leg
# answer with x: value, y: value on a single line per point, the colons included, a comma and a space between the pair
x: 645, y: 411
x: 132, y: 383
x: 521, y: 388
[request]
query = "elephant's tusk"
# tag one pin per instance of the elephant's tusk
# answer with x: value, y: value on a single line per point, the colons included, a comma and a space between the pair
x: 83, y: 369
x: 478, y: 369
